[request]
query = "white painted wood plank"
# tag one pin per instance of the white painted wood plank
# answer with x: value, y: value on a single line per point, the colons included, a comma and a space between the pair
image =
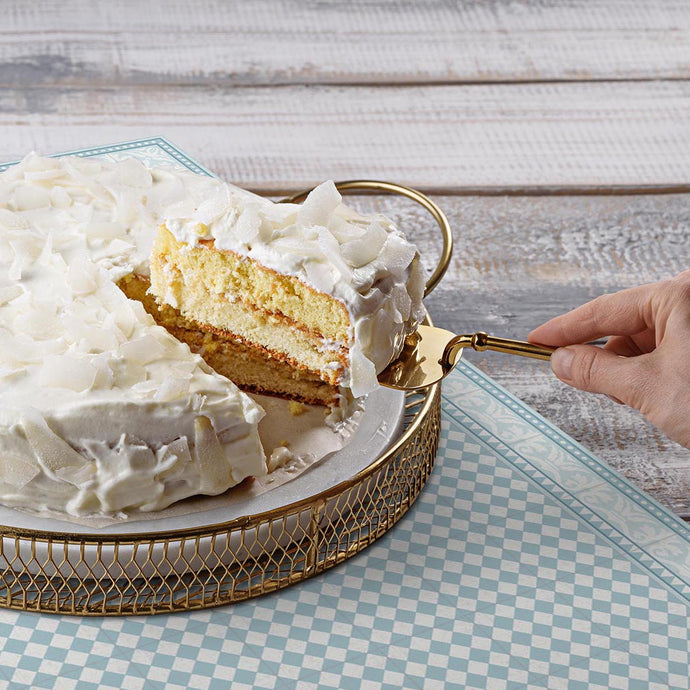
x: 439, y: 137
x: 521, y: 260
x: 80, y: 42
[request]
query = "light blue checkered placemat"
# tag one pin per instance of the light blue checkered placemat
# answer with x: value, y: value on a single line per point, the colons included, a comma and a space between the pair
x: 524, y: 563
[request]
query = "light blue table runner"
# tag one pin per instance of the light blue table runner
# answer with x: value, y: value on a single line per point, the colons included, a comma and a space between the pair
x: 525, y: 562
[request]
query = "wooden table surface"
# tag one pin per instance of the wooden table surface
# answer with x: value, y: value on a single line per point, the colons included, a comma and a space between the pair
x: 555, y: 135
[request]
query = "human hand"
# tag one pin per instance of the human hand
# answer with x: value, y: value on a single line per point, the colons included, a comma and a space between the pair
x: 646, y: 361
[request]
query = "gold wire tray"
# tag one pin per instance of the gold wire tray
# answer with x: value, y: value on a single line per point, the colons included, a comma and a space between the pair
x: 97, y: 575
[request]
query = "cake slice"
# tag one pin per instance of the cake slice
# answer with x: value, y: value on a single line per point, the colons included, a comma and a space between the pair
x: 304, y: 301
x: 257, y: 371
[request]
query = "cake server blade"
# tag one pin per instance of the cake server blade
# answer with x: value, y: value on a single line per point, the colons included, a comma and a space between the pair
x: 430, y: 353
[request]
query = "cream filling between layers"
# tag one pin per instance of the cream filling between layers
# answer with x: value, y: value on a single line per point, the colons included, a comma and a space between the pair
x: 192, y: 297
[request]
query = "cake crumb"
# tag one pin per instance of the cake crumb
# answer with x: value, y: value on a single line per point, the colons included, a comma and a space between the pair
x: 296, y: 408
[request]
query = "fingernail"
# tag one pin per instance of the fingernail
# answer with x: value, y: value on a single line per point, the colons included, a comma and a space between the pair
x: 561, y: 361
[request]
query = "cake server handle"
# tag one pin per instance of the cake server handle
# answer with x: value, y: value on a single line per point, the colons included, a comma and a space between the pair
x: 481, y: 341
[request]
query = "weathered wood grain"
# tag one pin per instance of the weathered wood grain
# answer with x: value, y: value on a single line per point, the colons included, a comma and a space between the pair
x: 442, y: 137
x: 521, y: 260
x: 293, y: 42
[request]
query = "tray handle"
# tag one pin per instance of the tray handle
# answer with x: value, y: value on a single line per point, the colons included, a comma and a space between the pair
x: 352, y: 186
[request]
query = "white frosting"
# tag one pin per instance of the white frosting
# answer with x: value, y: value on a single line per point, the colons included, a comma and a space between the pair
x: 362, y: 261
x: 101, y: 410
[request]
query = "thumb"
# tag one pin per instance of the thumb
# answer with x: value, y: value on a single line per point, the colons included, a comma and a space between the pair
x: 593, y: 369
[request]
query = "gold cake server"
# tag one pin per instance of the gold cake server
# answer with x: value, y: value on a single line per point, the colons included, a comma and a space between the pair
x: 430, y: 353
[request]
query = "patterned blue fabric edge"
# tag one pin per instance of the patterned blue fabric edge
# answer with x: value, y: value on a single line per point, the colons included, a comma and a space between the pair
x: 161, y: 142
x: 666, y: 570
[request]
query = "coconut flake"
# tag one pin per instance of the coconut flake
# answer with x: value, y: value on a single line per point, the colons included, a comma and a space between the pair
x: 129, y: 173
x: 26, y: 251
x: 43, y: 173
x: 366, y: 248
x: 247, y: 225
x: 7, y: 294
x: 214, y: 471
x: 396, y: 254
x: 82, y: 276
x: 142, y: 350
x: 362, y: 374
x: 16, y: 470
x: 9, y: 220
x: 172, y: 458
x: 52, y: 453
x: 172, y: 388
x: 214, y: 207
x: 331, y: 248
x: 28, y: 198
x: 104, y: 374
x: 60, y: 198
x: 37, y: 323
x: 8, y: 370
x: 65, y: 371
x: 319, y: 205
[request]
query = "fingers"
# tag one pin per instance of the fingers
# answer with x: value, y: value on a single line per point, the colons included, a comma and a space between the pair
x: 623, y: 346
x: 622, y: 313
x: 632, y: 345
x: 627, y: 379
